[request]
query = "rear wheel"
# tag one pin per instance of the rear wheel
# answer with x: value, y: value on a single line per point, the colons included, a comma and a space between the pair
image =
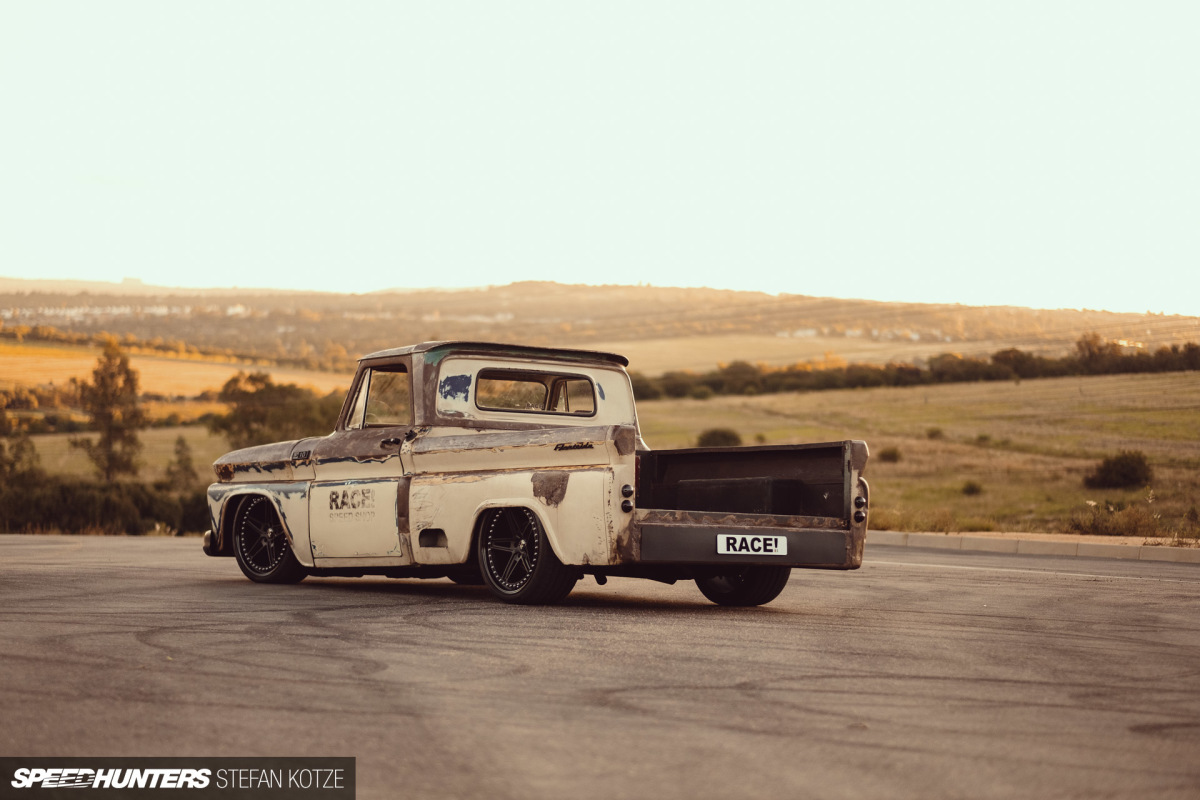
x: 260, y: 544
x: 748, y: 586
x: 516, y: 560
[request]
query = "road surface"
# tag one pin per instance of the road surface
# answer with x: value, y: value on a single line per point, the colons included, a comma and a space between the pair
x: 923, y: 675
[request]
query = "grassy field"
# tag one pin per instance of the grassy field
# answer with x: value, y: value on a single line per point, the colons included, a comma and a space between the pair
x: 33, y: 363
x: 1026, y: 446
x: 158, y: 449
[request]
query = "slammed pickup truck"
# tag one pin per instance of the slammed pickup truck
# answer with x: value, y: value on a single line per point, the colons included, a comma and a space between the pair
x: 523, y: 468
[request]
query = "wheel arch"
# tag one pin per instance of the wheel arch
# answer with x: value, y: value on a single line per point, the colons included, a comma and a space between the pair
x: 230, y: 504
x: 511, y: 502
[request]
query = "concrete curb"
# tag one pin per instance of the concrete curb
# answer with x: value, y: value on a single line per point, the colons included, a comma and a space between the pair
x: 1042, y: 547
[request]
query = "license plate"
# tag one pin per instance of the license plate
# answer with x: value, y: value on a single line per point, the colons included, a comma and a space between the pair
x: 750, y: 544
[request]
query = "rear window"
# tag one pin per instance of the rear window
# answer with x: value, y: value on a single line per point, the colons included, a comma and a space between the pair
x: 538, y: 392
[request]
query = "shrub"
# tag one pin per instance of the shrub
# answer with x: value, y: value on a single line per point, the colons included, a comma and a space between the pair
x: 971, y: 488
x: 889, y: 455
x: 701, y: 392
x: 935, y: 433
x: 73, y: 506
x: 1127, y: 468
x: 719, y: 437
x: 1107, y: 519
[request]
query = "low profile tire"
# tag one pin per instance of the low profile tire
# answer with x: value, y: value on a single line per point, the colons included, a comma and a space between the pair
x: 748, y: 586
x: 261, y: 546
x: 516, y: 561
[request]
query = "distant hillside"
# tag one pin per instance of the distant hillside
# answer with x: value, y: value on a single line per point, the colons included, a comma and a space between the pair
x: 327, y: 331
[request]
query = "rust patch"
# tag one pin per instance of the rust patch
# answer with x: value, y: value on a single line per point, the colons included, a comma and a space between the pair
x: 628, y: 544
x: 224, y: 472
x: 550, y: 487
x: 625, y: 439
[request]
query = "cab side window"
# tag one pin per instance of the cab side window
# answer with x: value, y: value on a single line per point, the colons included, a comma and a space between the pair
x: 384, y: 399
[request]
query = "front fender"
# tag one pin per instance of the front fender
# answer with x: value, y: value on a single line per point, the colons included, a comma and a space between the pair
x: 290, y: 501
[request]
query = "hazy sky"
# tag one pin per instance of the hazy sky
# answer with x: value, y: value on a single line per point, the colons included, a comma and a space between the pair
x: 1039, y: 153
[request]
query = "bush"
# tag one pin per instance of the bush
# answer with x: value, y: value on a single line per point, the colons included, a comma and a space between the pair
x: 719, y: 437
x: 1126, y: 469
x: 971, y: 488
x: 935, y: 433
x: 1108, y: 519
x: 889, y: 455
x: 644, y: 388
x: 73, y: 506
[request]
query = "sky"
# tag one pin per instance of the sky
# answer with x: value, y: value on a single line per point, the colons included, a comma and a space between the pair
x: 1036, y: 154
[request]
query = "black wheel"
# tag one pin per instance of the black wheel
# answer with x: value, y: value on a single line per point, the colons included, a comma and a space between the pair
x: 748, y: 586
x: 261, y: 546
x: 516, y: 560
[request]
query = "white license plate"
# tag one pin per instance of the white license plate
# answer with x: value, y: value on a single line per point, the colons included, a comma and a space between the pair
x: 750, y: 544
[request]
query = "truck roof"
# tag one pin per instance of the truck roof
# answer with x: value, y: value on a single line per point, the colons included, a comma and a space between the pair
x: 433, y: 352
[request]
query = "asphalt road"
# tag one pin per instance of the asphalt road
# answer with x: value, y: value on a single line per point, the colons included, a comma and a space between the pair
x: 923, y: 675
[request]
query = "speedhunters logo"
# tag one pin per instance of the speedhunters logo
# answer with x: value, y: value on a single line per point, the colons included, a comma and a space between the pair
x: 76, y: 778
x: 171, y: 777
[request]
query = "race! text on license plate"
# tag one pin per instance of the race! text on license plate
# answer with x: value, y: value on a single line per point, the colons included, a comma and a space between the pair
x: 751, y: 544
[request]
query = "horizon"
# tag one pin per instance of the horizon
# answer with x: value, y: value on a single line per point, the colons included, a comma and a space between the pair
x: 1030, y: 155
x: 138, y: 286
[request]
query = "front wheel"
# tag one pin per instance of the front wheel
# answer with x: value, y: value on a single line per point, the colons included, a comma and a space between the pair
x: 748, y: 586
x: 261, y: 546
x: 516, y: 561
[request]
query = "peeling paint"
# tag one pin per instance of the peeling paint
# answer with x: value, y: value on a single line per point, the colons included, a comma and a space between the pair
x: 625, y: 439
x: 455, y: 387
x: 550, y: 487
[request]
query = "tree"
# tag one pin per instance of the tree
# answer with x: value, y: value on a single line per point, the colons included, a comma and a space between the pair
x: 262, y: 411
x: 181, y: 471
x: 111, y: 399
x: 19, y: 461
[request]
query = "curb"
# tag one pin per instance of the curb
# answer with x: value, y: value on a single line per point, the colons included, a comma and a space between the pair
x: 1041, y: 547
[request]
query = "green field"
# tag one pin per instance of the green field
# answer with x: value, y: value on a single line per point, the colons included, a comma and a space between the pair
x: 1026, y: 445
x: 158, y: 449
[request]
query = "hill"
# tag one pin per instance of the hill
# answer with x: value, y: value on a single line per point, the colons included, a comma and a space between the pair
x: 660, y: 328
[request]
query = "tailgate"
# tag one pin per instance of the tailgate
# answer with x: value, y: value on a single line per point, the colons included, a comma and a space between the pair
x: 792, y: 505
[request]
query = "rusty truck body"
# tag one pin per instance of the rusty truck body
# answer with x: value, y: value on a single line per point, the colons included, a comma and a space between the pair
x: 523, y: 468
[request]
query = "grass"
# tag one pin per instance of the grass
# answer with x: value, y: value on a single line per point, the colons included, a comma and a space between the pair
x: 158, y: 449
x: 1025, y: 445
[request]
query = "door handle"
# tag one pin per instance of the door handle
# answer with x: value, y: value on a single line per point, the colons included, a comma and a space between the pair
x: 390, y: 442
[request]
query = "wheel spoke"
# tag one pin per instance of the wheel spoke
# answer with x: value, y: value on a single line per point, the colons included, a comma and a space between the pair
x: 513, y: 561
x: 256, y: 546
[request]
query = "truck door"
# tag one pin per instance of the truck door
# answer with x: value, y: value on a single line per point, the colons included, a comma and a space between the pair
x: 358, y: 502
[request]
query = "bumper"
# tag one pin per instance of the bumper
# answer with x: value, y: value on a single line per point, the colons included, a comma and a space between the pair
x: 812, y: 542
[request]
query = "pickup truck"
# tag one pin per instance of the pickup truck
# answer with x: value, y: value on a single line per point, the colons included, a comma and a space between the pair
x: 523, y: 468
